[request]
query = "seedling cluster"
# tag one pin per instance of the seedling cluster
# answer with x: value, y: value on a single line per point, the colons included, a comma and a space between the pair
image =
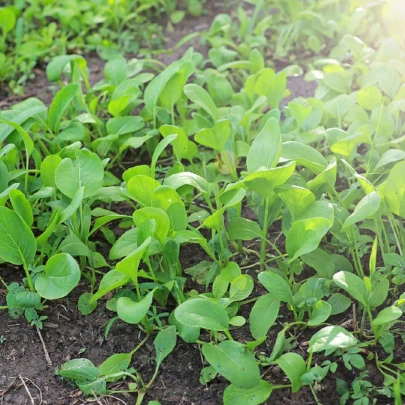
x: 297, y: 204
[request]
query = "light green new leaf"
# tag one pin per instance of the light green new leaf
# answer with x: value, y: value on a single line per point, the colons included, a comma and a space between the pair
x: 241, y: 287
x: 129, y: 266
x: 320, y: 313
x: 62, y: 274
x: 305, y: 235
x: 200, y: 97
x: 48, y: 170
x: 114, y: 364
x: 110, y: 281
x: 133, y: 312
x: 214, y: 138
x: 141, y: 188
x: 303, y: 155
x: 233, y: 361
x: 266, y: 147
x: 59, y: 105
x: 387, y: 315
x: 85, y: 171
x: 17, y: 242
x: 367, y: 207
x: 21, y: 206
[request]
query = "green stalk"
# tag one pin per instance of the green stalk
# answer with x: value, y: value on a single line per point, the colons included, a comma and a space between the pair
x: 264, y: 236
x: 29, y: 279
x: 4, y: 307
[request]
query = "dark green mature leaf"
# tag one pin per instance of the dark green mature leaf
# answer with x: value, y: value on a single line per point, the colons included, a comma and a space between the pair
x: 276, y: 285
x: 164, y: 343
x: 79, y: 370
x: 263, y: 315
x: 294, y: 367
x: 330, y: 338
x: 202, y: 313
x: 233, y: 361
x: 233, y: 395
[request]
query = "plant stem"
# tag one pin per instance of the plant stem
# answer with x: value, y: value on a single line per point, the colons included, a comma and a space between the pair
x: 4, y: 307
x: 264, y: 236
x: 29, y: 279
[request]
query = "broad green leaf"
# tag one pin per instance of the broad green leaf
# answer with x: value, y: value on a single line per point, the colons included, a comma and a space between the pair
x: 159, y: 150
x: 263, y: 182
x: 133, y: 312
x: 233, y: 395
x: 330, y: 338
x: 202, y: 313
x: 21, y: 206
x: 276, y: 285
x: 110, y: 281
x: 114, y: 364
x: 85, y: 306
x: 169, y: 201
x: 61, y: 275
x: 305, y: 235
x: 75, y: 247
x: 233, y: 361
x: 59, y: 105
x: 294, y: 367
x: 58, y: 64
x: 266, y: 147
x: 389, y: 157
x: 48, y: 170
x: 303, y: 155
x: 367, y: 207
x: 116, y: 70
x: 141, y: 187
x: 162, y: 221
x: 85, y: 171
x: 241, y: 287
x: 17, y: 242
x: 263, y: 315
x: 243, y: 229
x: 339, y: 303
x: 79, y: 370
x: 7, y: 20
x: 387, y: 315
x: 8, y: 127
x: 129, y: 266
x: 124, y: 125
x: 200, y: 97
x: 297, y: 199
x: 164, y: 343
x: 320, y: 313
x: 214, y: 138
x: 352, y: 284
x: 175, y: 181
x: 369, y: 97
